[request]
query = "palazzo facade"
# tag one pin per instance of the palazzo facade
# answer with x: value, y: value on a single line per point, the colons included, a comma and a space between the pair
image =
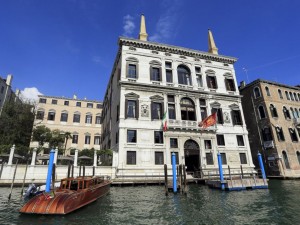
x: 151, y: 80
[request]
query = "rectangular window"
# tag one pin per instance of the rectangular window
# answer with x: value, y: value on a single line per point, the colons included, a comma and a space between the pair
x: 243, y: 158
x: 171, y: 107
x: 209, y: 159
x: 43, y: 100
x: 131, y: 158
x: 168, y: 65
x: 117, y: 137
x: 75, y: 139
x: 97, y: 140
x: 54, y: 102
x: 98, y: 106
x: 131, y: 71
x: 169, y: 76
x: 131, y: 111
x: 173, y: 143
x: 87, y: 140
x: 131, y: 136
x: 236, y: 117
x: 240, y: 140
x: 158, y: 137
x: 199, y: 80
x: 219, y: 112
x: 156, y: 111
x: 66, y: 102
x: 51, y: 116
x: 207, y: 144
x: 159, y: 158
x: 88, y: 119
x: 64, y: 117
x: 223, y: 157
x: 229, y: 82
x: 40, y: 115
x: 76, y: 118
x: 155, y: 74
x: 78, y: 104
x: 220, y: 140
x: 212, y: 82
x: 98, y: 120
x: 89, y: 105
x: 176, y: 157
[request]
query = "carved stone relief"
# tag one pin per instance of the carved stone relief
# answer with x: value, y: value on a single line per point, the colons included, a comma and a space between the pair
x: 144, y: 110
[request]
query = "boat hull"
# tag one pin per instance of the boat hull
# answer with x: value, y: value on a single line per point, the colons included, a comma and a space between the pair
x: 65, y: 201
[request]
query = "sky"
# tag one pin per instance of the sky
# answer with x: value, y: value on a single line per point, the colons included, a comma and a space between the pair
x: 67, y: 47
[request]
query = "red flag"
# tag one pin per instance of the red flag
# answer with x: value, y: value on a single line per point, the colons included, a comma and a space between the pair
x: 209, y: 121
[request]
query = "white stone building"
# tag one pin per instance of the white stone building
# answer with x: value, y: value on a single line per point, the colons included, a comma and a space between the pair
x: 151, y: 78
x: 6, y: 91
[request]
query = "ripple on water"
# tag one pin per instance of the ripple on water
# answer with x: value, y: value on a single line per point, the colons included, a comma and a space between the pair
x: 149, y: 205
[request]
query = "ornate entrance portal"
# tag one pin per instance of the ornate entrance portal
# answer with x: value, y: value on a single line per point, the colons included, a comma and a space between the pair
x: 192, y: 156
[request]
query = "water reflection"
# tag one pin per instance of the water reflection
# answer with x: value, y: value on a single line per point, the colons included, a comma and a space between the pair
x: 149, y: 205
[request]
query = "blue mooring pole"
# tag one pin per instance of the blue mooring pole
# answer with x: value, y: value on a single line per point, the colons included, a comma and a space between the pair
x: 221, y: 171
x: 174, y: 172
x: 261, y: 165
x: 50, y: 167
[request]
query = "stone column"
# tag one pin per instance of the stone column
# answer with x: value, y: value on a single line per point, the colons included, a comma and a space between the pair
x: 95, y: 157
x: 11, y: 155
x: 76, y: 157
x: 33, y: 156
x: 55, y: 156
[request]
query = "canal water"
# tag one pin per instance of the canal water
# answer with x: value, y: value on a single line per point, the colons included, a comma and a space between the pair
x: 148, y: 205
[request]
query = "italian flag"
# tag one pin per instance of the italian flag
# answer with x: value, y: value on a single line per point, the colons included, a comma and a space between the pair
x: 164, y: 121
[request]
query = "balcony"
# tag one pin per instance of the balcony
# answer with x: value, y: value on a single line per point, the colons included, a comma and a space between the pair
x: 297, y: 121
x: 187, y: 125
x: 268, y: 144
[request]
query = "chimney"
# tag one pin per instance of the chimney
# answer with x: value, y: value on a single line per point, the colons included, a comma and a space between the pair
x: 74, y: 96
x: 9, y: 79
x: 242, y: 84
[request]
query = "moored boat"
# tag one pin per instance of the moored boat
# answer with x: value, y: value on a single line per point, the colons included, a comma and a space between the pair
x: 72, y: 194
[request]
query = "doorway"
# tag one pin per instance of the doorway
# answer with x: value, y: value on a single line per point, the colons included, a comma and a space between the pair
x: 192, y: 156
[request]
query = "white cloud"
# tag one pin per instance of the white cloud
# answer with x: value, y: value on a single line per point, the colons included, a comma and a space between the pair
x: 165, y: 26
x: 30, y: 94
x: 129, y: 25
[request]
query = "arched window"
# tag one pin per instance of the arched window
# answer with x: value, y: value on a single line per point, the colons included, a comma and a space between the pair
x: 64, y: 116
x: 286, y: 160
x: 287, y: 95
x: 187, y: 108
x: 267, y: 91
x: 286, y: 113
x: 76, y: 117
x: 40, y: 114
x: 291, y: 96
x: 295, y: 97
x: 51, y: 115
x: 296, y: 113
x: 292, y: 112
x: 298, y: 156
x: 88, y: 118
x: 184, y: 75
x: 280, y: 94
x: 266, y: 134
x: 256, y: 92
x: 261, y: 111
x: 273, y: 111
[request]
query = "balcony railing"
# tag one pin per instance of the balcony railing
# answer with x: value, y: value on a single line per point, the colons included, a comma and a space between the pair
x: 186, y: 124
x: 268, y: 144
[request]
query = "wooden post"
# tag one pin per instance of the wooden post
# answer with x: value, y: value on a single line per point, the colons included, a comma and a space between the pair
x: 12, y: 184
x: 72, y: 170
x: 83, y: 171
x: 93, y: 171
x: 180, y: 177
x: 69, y: 168
x: 229, y: 172
x: 53, y: 176
x: 166, y: 179
x: 242, y: 173
x: 24, y: 178
x: 80, y: 170
x: 1, y: 169
x: 184, y: 179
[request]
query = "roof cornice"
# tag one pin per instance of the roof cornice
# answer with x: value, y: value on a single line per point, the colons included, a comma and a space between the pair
x: 257, y: 81
x: 175, y: 50
x: 64, y: 98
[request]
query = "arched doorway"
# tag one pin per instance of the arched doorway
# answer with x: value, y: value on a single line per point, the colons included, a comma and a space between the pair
x: 192, y: 156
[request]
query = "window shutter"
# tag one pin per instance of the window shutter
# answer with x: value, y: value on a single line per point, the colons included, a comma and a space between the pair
x: 216, y: 82
x: 240, y: 115
x: 232, y: 117
x: 151, y: 110
x: 160, y: 75
x: 151, y: 72
x: 137, y: 109
x: 221, y: 116
x: 126, y: 108
x: 162, y: 110
x: 208, y: 82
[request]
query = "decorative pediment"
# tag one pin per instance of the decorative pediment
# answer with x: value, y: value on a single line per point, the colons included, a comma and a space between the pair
x: 234, y: 106
x: 155, y: 62
x: 210, y: 72
x: 215, y: 105
x: 132, y: 95
x: 132, y: 59
x: 229, y: 75
x: 156, y: 98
